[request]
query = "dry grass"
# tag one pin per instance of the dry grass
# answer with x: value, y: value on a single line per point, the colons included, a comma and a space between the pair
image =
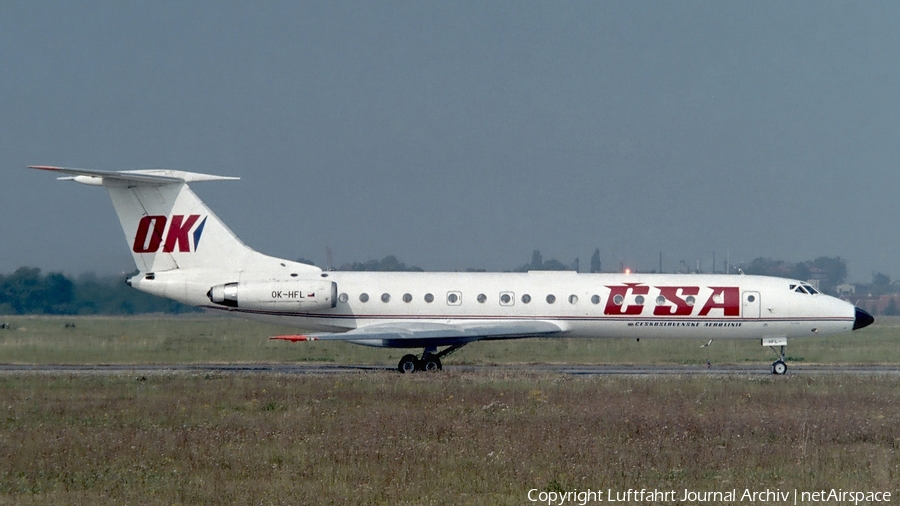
x: 455, y: 438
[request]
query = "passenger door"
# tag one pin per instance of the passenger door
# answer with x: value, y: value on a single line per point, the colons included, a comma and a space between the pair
x: 750, y: 306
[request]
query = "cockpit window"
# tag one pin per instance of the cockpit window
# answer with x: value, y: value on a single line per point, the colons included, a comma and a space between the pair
x: 804, y: 288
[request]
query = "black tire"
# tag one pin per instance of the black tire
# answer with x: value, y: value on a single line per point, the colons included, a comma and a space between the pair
x: 779, y: 367
x: 408, y: 364
x: 431, y: 363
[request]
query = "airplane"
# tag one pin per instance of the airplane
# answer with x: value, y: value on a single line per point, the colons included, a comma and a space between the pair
x: 184, y: 252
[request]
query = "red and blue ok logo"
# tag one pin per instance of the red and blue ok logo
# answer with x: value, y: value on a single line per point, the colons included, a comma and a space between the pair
x: 152, y: 229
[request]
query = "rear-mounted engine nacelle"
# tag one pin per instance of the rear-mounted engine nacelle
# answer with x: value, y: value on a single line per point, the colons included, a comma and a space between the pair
x: 276, y: 295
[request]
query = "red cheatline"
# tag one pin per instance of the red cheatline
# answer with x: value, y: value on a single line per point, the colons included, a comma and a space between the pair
x: 294, y: 338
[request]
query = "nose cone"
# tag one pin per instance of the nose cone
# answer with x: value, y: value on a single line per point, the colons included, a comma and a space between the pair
x: 863, y: 319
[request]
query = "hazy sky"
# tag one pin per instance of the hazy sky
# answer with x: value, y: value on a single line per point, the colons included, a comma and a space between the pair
x: 463, y: 134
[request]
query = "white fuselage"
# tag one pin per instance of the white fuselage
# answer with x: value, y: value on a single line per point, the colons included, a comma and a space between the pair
x: 583, y: 305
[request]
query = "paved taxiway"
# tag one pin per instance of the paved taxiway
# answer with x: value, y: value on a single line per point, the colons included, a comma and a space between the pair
x: 576, y: 370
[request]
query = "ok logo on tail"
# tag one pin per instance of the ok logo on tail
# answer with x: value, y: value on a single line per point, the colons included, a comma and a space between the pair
x: 152, y: 229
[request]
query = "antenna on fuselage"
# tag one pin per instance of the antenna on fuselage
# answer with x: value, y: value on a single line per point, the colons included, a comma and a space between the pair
x: 708, y: 363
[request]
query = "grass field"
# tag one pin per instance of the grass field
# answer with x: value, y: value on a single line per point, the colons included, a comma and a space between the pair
x: 384, y: 438
x: 193, y: 339
x: 449, y: 438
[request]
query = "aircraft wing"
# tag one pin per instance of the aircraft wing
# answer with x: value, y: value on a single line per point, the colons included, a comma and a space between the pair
x: 416, y: 334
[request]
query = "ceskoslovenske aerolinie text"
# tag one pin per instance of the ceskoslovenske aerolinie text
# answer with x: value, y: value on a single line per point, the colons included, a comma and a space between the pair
x: 583, y: 497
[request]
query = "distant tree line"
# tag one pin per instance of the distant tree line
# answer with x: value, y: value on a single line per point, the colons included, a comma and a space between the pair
x: 388, y: 263
x: 28, y: 291
x: 881, y: 285
x: 829, y: 271
x: 539, y: 264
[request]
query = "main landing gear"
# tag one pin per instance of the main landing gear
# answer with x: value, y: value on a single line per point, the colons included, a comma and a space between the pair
x: 429, y: 361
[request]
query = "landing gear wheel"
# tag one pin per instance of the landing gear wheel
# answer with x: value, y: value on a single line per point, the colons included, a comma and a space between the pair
x: 779, y: 367
x: 408, y: 364
x: 431, y: 363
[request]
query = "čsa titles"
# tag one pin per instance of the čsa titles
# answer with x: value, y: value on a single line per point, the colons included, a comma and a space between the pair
x: 630, y: 299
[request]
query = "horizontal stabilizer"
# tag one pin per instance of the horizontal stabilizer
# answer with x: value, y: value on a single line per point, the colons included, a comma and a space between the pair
x: 145, y: 176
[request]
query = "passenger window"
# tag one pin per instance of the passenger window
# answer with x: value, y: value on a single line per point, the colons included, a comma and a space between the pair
x: 507, y: 298
x: 429, y: 298
x: 526, y: 299
x: 364, y: 297
x: 407, y: 297
x: 551, y: 299
x: 481, y: 298
x: 573, y: 299
x: 385, y: 297
x: 454, y: 298
x: 343, y: 298
x: 595, y: 299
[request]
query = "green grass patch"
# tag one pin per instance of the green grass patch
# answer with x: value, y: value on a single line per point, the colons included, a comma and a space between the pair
x: 208, y: 338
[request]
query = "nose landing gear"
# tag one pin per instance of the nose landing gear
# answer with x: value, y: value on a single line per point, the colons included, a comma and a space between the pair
x: 779, y: 367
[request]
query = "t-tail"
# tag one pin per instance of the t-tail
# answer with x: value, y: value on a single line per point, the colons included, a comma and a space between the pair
x: 180, y: 247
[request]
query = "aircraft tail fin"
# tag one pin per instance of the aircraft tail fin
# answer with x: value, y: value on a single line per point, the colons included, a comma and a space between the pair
x: 166, y: 225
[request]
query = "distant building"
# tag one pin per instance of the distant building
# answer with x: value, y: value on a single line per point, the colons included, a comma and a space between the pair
x: 845, y: 289
x: 888, y: 305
